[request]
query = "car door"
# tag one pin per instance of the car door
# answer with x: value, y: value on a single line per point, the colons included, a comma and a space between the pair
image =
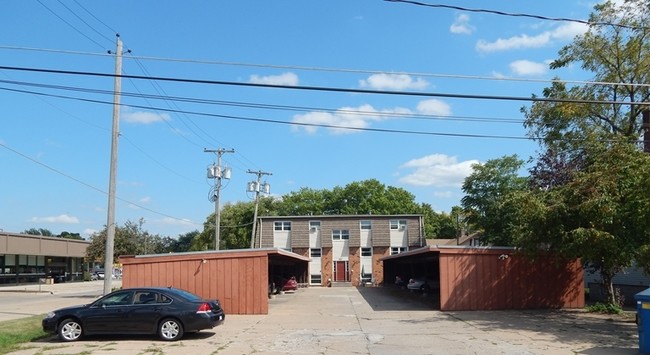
x: 109, y: 314
x: 145, y: 312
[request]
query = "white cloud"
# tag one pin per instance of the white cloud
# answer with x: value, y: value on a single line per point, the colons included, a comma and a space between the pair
x: 434, y: 107
x: 437, y: 170
x: 564, y: 32
x: 64, y: 219
x: 144, y: 117
x: 145, y: 199
x: 568, y: 31
x: 527, y: 67
x: 461, y: 25
x: 353, y: 117
x: 517, y: 42
x: 288, y: 78
x: 393, y: 82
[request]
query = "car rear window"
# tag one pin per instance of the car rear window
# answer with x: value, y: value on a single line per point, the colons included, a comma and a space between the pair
x: 184, y: 294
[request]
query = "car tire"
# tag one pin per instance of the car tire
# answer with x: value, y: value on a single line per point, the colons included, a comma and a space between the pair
x: 69, y: 330
x: 170, y: 329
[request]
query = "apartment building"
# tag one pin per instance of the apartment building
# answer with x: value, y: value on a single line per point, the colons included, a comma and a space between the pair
x: 342, y: 248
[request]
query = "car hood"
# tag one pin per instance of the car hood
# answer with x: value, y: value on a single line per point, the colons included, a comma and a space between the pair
x: 72, y: 308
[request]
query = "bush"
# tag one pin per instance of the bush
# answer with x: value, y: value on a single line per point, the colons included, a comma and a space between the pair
x: 605, y: 308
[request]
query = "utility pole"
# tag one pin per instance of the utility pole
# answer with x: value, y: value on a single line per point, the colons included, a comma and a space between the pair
x: 254, y: 186
x: 217, y: 172
x: 110, y: 222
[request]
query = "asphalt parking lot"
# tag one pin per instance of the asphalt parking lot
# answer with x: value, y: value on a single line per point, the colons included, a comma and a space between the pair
x: 350, y: 320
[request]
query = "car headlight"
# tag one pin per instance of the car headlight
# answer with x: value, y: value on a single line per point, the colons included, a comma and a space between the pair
x: 49, y: 315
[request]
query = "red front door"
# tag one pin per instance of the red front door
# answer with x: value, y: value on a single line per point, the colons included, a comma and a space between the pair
x: 340, y: 271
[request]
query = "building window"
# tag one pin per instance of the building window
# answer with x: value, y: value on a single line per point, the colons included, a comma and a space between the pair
x: 340, y: 234
x: 366, y: 251
x: 314, y: 225
x: 365, y: 225
x: 315, y: 279
x: 315, y: 252
x: 397, y: 250
x: 396, y: 224
x: 283, y: 226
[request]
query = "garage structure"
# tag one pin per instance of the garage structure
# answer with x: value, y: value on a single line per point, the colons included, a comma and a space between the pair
x: 239, y: 279
x: 491, y: 278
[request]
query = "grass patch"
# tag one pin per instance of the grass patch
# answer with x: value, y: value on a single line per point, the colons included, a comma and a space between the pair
x: 13, y: 333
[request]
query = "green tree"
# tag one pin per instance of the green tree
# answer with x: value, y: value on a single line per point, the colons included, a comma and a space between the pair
x: 602, y: 215
x: 488, y: 204
x: 588, y: 195
x: 613, y: 54
x: 40, y: 231
x: 130, y: 239
x: 180, y: 244
x: 369, y: 196
x: 68, y: 235
x: 236, y: 225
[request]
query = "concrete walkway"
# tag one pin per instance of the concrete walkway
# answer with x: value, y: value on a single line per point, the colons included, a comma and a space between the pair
x: 349, y: 320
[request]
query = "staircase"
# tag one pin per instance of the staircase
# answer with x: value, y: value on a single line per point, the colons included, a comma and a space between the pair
x: 341, y: 284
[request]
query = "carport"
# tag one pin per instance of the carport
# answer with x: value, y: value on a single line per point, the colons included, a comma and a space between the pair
x: 238, y: 278
x: 490, y: 278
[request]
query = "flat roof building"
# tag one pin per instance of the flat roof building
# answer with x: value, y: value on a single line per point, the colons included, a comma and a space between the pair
x: 28, y: 258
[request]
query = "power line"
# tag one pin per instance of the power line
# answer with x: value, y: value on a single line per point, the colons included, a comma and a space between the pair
x: 271, y: 106
x: 90, y: 186
x: 262, y: 120
x: 329, y: 89
x: 84, y: 22
x: 502, y: 13
x: 95, y: 17
x: 69, y: 24
x: 337, y: 70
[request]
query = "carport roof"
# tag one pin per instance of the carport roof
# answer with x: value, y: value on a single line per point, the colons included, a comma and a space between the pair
x: 448, y: 249
x: 271, y: 252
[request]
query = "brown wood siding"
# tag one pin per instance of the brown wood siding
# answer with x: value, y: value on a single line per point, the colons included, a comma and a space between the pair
x: 380, y: 232
x: 414, y: 232
x: 299, y: 234
x: 266, y: 233
x: 479, y: 279
x: 237, y: 280
x: 355, y: 235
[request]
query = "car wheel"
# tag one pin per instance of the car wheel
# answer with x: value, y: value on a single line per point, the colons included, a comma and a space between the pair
x: 70, y: 330
x: 170, y: 329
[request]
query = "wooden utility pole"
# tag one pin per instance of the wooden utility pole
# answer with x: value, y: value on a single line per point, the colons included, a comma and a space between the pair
x: 254, y: 186
x: 110, y: 222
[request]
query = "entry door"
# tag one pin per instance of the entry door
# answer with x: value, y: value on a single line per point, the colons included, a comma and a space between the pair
x: 340, y: 271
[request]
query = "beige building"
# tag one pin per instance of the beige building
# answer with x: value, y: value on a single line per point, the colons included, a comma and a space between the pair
x: 342, y: 248
x: 30, y: 258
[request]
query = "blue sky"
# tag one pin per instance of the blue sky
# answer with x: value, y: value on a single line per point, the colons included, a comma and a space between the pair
x: 55, y: 141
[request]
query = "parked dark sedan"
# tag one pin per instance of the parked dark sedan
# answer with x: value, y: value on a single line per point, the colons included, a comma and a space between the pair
x: 168, y: 312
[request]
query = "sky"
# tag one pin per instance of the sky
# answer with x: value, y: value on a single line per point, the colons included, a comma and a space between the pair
x: 363, y: 90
